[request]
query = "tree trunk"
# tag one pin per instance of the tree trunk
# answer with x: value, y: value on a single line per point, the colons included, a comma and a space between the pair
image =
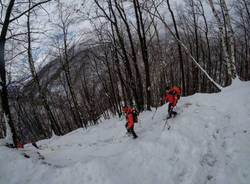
x: 179, y: 51
x: 134, y: 57
x: 50, y: 115
x: 185, y: 48
x: 246, y: 6
x: 131, y: 83
x: 223, y: 38
x: 3, y: 87
x: 196, y: 80
x: 231, y: 38
x: 69, y: 81
x: 209, y: 64
x: 144, y: 49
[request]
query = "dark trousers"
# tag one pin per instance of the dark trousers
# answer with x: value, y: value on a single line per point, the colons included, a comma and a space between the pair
x: 170, y: 110
x: 131, y: 130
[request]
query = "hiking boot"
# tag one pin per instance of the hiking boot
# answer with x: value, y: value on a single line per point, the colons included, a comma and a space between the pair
x: 134, y: 137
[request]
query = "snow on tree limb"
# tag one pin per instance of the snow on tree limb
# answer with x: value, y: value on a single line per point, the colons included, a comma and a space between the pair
x: 183, y: 45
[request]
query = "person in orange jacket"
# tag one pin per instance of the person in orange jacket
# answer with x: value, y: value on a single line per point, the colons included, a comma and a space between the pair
x: 130, y: 121
x: 172, y: 95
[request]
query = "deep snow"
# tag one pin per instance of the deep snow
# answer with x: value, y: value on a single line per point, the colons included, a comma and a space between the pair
x: 208, y: 143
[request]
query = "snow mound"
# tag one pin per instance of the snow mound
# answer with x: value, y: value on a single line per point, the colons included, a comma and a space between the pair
x: 208, y: 142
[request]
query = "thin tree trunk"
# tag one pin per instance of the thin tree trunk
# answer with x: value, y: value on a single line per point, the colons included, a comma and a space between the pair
x: 196, y: 81
x: 134, y: 58
x: 209, y: 64
x: 179, y: 51
x: 186, y: 49
x: 221, y: 63
x: 246, y: 54
x: 111, y: 82
x: 231, y: 38
x: 69, y: 81
x: 223, y: 38
x: 124, y: 51
x: 3, y: 87
x: 246, y: 6
x: 126, y: 96
x: 51, y: 117
x: 144, y: 49
x: 117, y: 64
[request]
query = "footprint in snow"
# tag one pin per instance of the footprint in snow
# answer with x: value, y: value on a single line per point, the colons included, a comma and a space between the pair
x: 208, y: 159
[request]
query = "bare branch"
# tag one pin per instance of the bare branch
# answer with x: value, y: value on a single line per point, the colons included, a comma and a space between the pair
x: 32, y: 7
x: 20, y: 34
x: 102, y: 9
x: 182, y: 44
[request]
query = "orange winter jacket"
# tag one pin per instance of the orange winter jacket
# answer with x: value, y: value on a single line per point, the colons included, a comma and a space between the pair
x: 176, y: 89
x: 172, y: 97
x: 129, y: 117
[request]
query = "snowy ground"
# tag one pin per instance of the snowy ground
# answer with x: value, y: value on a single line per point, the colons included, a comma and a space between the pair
x: 208, y: 143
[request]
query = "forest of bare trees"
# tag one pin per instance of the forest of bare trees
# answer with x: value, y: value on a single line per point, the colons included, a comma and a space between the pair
x: 135, y: 49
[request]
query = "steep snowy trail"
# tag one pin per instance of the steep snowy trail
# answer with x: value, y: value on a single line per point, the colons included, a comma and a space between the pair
x: 195, y: 149
x: 209, y: 142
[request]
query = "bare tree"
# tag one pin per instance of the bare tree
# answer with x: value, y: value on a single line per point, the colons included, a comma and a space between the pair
x: 144, y: 50
x: 50, y: 115
x: 209, y: 64
x: 230, y: 69
x: 64, y: 52
x: 114, y: 21
x: 3, y: 87
x: 246, y: 6
x: 134, y: 56
x: 231, y: 37
x: 158, y: 15
x: 195, y: 71
x: 179, y: 50
x: 242, y: 23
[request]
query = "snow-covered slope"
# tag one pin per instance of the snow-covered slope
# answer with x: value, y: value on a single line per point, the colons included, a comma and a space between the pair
x: 208, y: 142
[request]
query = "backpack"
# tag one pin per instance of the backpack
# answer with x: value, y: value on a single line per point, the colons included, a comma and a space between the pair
x: 135, y: 116
x: 177, y: 90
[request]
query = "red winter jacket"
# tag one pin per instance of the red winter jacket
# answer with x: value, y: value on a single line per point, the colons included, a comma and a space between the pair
x: 129, y: 116
x: 172, y: 98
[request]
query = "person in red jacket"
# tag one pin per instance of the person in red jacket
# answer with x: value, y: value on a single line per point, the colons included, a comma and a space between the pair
x: 130, y: 121
x: 172, y: 96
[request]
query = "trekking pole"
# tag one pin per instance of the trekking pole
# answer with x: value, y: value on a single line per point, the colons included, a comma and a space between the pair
x: 166, y: 122
x: 165, y: 125
x: 155, y: 111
